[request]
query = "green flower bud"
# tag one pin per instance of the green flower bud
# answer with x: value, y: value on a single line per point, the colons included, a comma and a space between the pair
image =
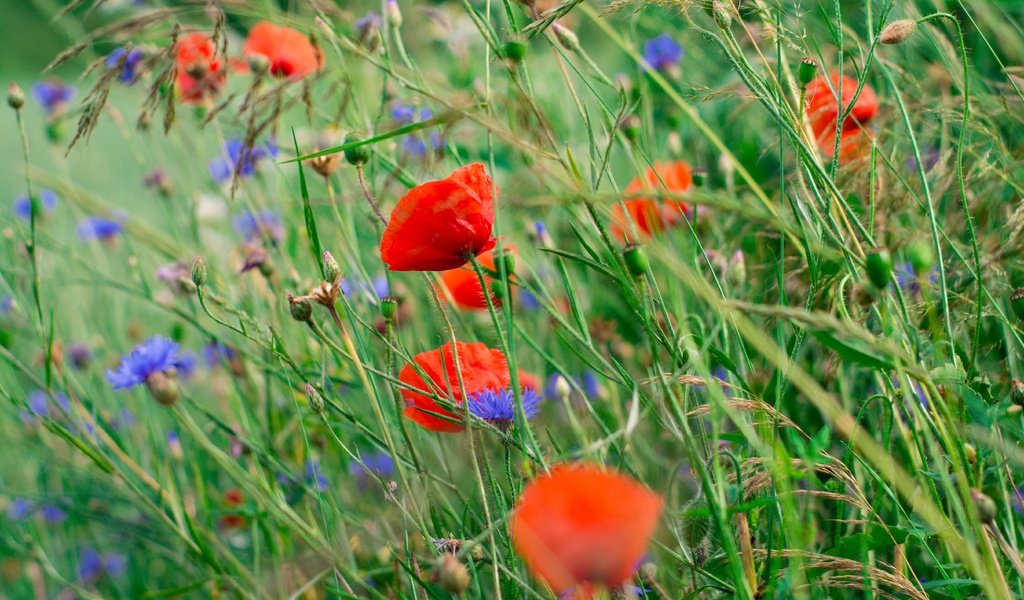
x: 921, y: 257
x: 199, y: 272
x: 807, y: 72
x: 360, y: 155
x: 509, y: 262
x: 631, y: 128
x: 15, y: 96
x: 987, y: 509
x: 388, y: 307
x: 700, y: 176
x: 566, y: 37
x: 897, y: 32
x: 332, y: 270
x: 636, y: 260
x: 300, y: 308
x: 879, y: 268
x: 57, y: 129
x: 499, y: 289
x: 514, y: 50
x: 314, y: 400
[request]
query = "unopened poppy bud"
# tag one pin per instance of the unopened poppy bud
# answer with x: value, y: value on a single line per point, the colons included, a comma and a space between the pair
x: 700, y: 176
x: 636, y: 260
x: 1017, y: 302
x: 199, y: 272
x: 259, y: 64
x: 986, y: 506
x: 631, y: 128
x: 695, y: 528
x: 300, y: 308
x: 499, y: 289
x: 971, y: 453
x: 332, y: 270
x: 879, y: 268
x: 897, y: 32
x: 163, y: 387
x: 921, y: 257
x: 566, y: 37
x: 453, y: 575
x: 508, y: 260
x: 514, y: 50
x: 314, y: 400
x: 807, y: 72
x: 15, y: 96
x: 388, y: 307
x: 359, y: 155
x: 393, y: 14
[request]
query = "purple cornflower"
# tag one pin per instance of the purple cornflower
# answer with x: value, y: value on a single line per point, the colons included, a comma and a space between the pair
x: 20, y: 509
x: 53, y: 95
x: 379, y: 464
x: 237, y: 155
x: 53, y: 513
x: 98, y: 228
x: 414, y: 146
x: 403, y: 113
x: 215, y: 352
x: 498, y: 406
x: 79, y: 355
x: 528, y: 301
x: 39, y: 406
x: 377, y: 288
x: 156, y: 355
x: 315, y: 475
x: 46, y: 201
x: 129, y: 64
x: 6, y: 304
x: 92, y: 565
x: 907, y: 280
x: 590, y: 384
x: 174, y: 445
x: 367, y: 23
x: 255, y: 226
x: 187, y: 362
x: 662, y: 52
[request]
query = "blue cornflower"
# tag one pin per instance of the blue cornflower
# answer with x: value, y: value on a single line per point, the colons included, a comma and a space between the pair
x: 255, y: 226
x: 237, y: 155
x: 187, y: 362
x: 156, y: 355
x: 125, y: 419
x: 414, y: 146
x: 907, y: 280
x: 215, y: 352
x: 46, y: 201
x: 115, y: 564
x: 53, y: 95
x: 315, y: 475
x: 662, y: 52
x: 590, y: 384
x: 92, y: 565
x: 20, y: 509
x: 6, y: 304
x: 39, y: 405
x: 498, y: 406
x: 130, y: 66
x: 378, y: 287
x: 370, y: 21
x: 528, y: 301
x: 53, y: 513
x: 98, y: 228
x: 403, y: 113
x: 379, y: 464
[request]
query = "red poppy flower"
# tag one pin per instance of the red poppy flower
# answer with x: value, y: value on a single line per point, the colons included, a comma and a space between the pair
x: 464, y: 285
x: 288, y: 52
x: 199, y: 70
x: 233, y: 498
x: 652, y: 215
x: 823, y: 114
x: 440, y: 224
x: 582, y: 525
x: 482, y: 368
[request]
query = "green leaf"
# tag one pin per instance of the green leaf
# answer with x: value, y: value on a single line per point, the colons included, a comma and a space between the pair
x: 314, y: 238
x: 855, y: 352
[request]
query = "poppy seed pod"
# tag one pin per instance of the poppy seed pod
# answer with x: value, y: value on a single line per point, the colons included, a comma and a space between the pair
x: 879, y: 268
x: 987, y: 509
x: 388, y: 307
x: 699, y: 176
x: 807, y: 72
x: 636, y: 260
x: 199, y: 272
x: 897, y: 32
x: 359, y: 155
x: 514, y: 50
x: 1017, y: 302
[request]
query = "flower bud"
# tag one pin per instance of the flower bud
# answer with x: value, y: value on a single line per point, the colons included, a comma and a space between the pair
x: 508, y: 260
x: 393, y: 14
x: 700, y: 176
x: 897, y: 32
x: 388, y: 307
x: 300, y: 308
x: 721, y: 11
x: 566, y: 37
x: 971, y: 453
x: 57, y: 130
x: 314, y: 400
x: 921, y: 257
x: 879, y: 268
x: 499, y: 289
x: 359, y: 155
x: 807, y: 72
x: 199, y: 272
x: 324, y: 28
x: 453, y: 575
x: 636, y: 260
x: 258, y: 64
x: 562, y: 388
x: 163, y: 387
x: 737, y: 269
x: 631, y: 128
x: 332, y: 270
x: 15, y: 96
x: 987, y: 509
x: 695, y: 528
x: 514, y: 50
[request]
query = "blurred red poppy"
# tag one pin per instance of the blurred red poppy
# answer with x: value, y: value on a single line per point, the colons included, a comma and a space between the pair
x: 288, y: 52
x: 823, y: 114
x: 652, y: 215
x: 233, y: 498
x: 581, y: 526
x: 464, y: 285
x: 200, y: 73
x: 440, y: 224
x: 482, y: 368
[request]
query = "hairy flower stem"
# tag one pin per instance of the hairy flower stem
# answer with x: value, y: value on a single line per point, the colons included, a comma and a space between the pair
x: 369, y: 197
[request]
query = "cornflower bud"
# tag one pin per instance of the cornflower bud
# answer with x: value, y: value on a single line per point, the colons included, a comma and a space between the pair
x: 359, y: 155
x: 700, y: 176
x: 393, y: 14
x: 897, y: 32
x: 163, y: 387
x: 631, y: 128
x: 332, y: 270
x: 300, y: 308
x: 314, y: 400
x: 15, y: 96
x: 566, y: 37
x: 199, y: 272
x: 514, y: 50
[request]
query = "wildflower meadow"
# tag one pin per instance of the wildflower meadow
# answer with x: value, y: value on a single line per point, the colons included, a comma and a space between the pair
x: 427, y: 299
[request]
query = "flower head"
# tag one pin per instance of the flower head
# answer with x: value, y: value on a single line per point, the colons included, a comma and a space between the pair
x: 200, y: 73
x: 53, y: 95
x: 584, y: 525
x: 651, y: 214
x: 6, y: 304
x: 239, y: 159
x: 378, y: 464
x: 288, y: 53
x: 823, y: 110
x: 98, y: 228
x: 20, y: 509
x: 480, y: 367
x: 440, y: 224
x: 52, y: 513
x: 156, y: 355
x: 662, y: 52
x: 46, y: 202
x: 129, y: 61
x: 498, y: 406
x: 259, y: 225
x: 315, y: 475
